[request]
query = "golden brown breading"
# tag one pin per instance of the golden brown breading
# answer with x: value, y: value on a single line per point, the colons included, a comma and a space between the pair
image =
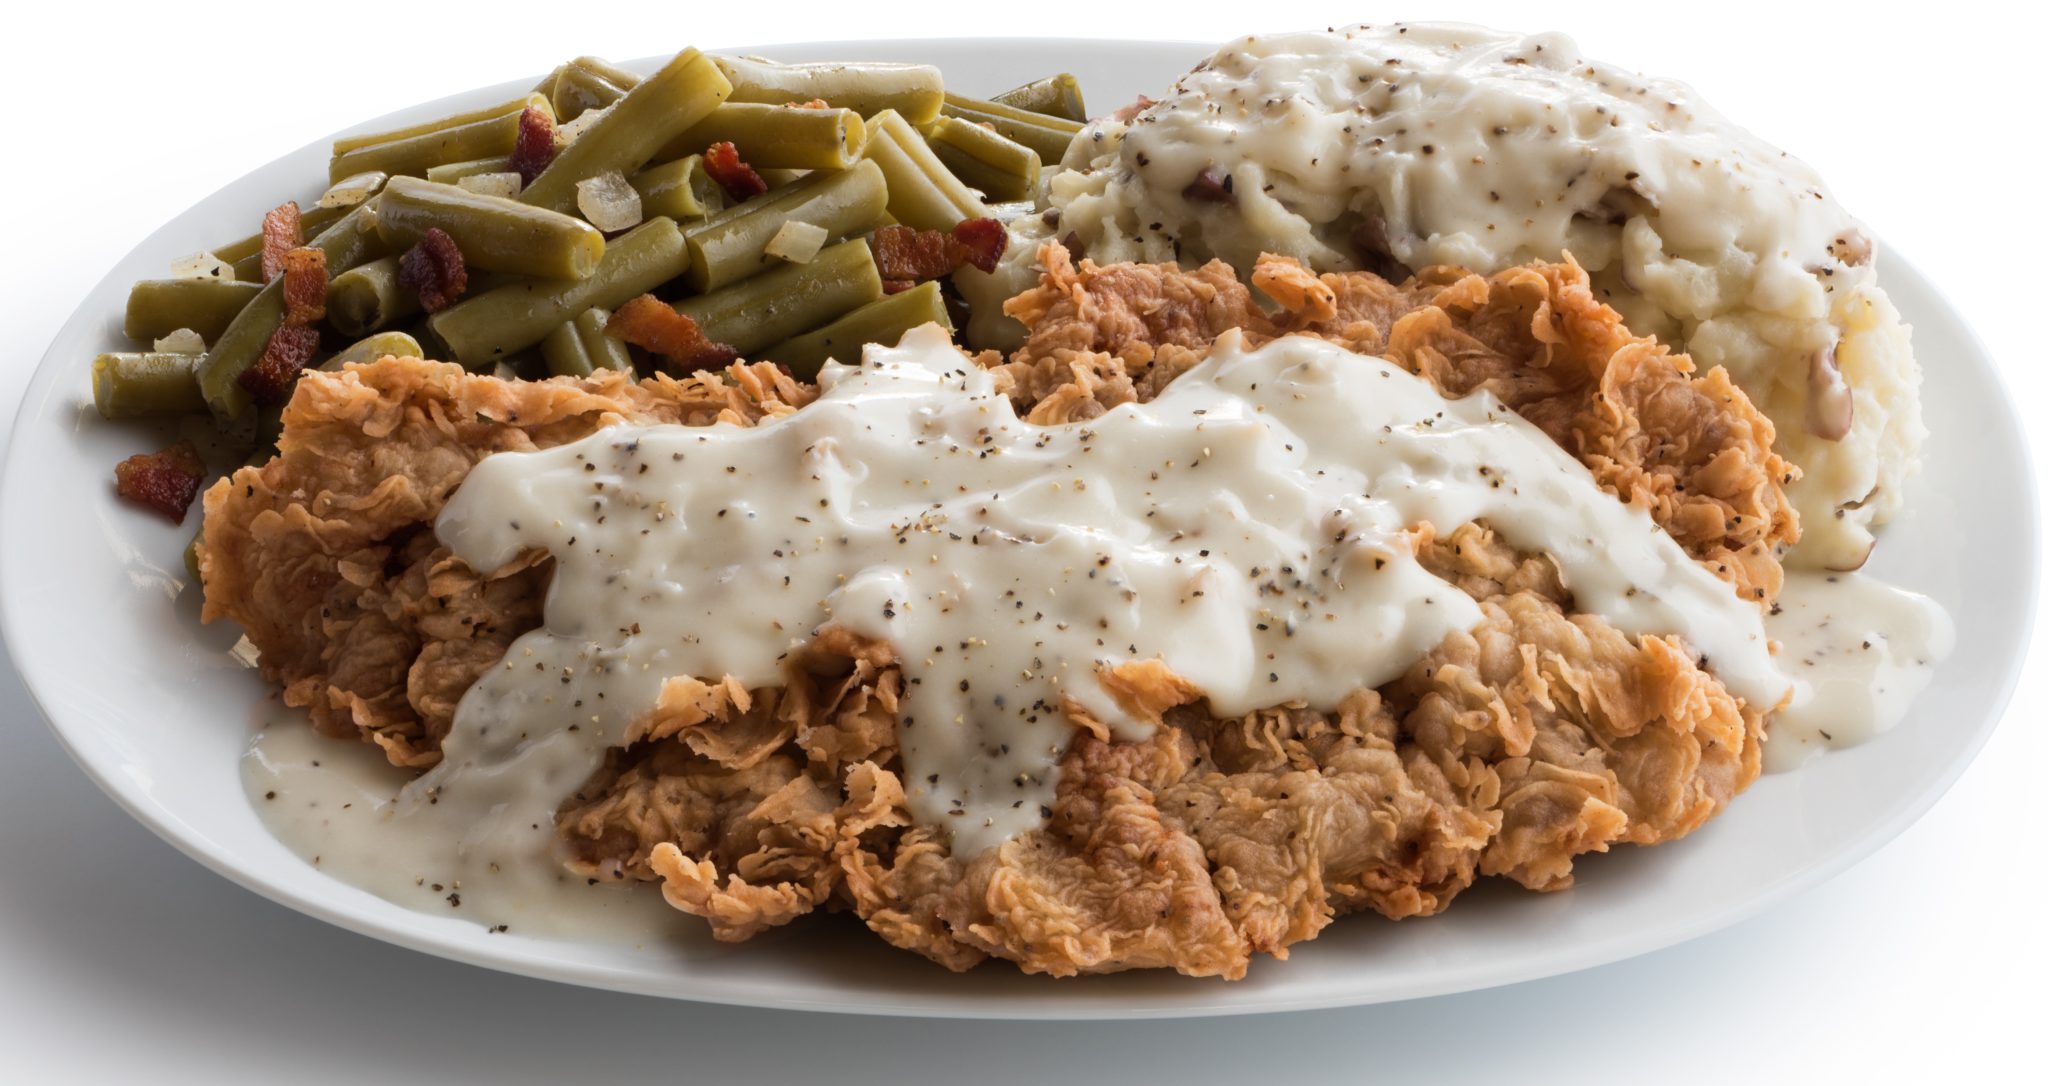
x: 326, y: 557
x: 1509, y: 750
x: 1692, y: 450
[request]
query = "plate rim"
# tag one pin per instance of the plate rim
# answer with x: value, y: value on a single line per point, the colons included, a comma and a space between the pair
x: 52, y: 366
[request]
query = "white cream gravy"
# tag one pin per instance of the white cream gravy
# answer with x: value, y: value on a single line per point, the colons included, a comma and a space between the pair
x: 1858, y: 652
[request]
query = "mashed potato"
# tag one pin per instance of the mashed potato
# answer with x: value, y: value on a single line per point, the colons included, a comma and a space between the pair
x: 1396, y: 147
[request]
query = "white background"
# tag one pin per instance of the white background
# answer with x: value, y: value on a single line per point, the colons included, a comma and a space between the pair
x: 121, y: 959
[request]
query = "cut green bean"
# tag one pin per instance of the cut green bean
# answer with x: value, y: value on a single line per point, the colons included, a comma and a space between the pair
x: 788, y: 301
x: 577, y: 92
x: 661, y: 108
x: 372, y: 348
x: 564, y: 352
x: 451, y: 172
x: 1054, y: 96
x: 732, y: 246
x: 922, y: 192
x: 1001, y: 168
x: 778, y: 137
x: 680, y: 190
x: 158, y: 307
x: 514, y: 108
x: 623, y: 77
x: 606, y: 352
x: 481, y: 330
x: 882, y: 322
x: 580, y: 348
x: 492, y: 232
x: 347, y: 243
x: 148, y: 384
x: 913, y: 90
x: 368, y: 297
x: 1049, y: 136
x: 413, y: 156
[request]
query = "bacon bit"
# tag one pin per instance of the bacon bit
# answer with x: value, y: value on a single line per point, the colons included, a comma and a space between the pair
x: 897, y: 286
x: 165, y: 481
x: 723, y: 162
x: 983, y: 240
x: 434, y: 270
x: 282, y: 232
x: 1074, y: 246
x: 649, y: 322
x: 1211, y: 186
x: 1124, y: 115
x: 305, y: 285
x: 912, y: 256
x: 291, y: 348
x: 535, y: 147
x: 815, y: 103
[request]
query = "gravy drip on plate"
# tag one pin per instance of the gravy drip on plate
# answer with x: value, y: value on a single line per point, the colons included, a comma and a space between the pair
x: 1858, y: 651
x: 338, y: 807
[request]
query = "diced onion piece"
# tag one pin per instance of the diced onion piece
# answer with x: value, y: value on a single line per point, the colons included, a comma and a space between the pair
x: 609, y: 202
x: 353, y: 189
x: 202, y: 266
x: 504, y: 184
x: 245, y: 652
x: 797, y: 242
x: 566, y: 134
x: 182, y: 341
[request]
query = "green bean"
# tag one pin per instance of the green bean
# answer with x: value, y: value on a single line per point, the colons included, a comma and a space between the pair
x: 731, y: 247
x: 580, y: 347
x: 912, y: 90
x: 786, y: 302
x: 777, y: 178
x: 372, y: 348
x: 1001, y: 168
x: 158, y: 307
x: 368, y: 297
x: 348, y: 242
x: 413, y: 156
x: 487, y: 327
x: 679, y: 190
x: 514, y: 108
x: 588, y: 83
x: 922, y: 192
x: 606, y: 352
x: 778, y: 137
x: 492, y: 232
x: 1054, y: 96
x: 563, y: 350
x: 146, y: 385
x: 449, y: 173
x: 882, y: 322
x: 1049, y: 136
x: 623, y: 77
x: 662, y: 107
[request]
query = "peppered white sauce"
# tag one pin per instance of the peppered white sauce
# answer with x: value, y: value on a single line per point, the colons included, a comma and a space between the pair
x: 1858, y: 651
x: 1469, y: 146
x: 1250, y: 528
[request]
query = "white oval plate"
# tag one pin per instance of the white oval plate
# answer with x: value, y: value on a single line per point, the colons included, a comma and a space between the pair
x: 98, y: 615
